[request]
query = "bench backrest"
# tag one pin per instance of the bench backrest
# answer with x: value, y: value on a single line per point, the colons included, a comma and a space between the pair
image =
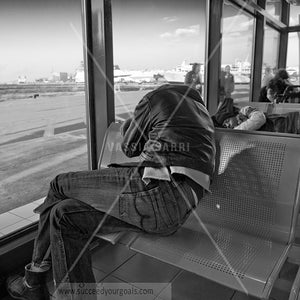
x: 255, y: 188
x: 111, y: 148
x: 269, y: 108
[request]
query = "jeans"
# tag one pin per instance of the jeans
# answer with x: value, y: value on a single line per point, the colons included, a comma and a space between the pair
x: 80, y: 204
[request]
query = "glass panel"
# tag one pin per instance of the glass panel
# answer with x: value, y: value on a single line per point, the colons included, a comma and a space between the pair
x: 293, y: 57
x: 155, y: 42
x: 294, y: 15
x: 273, y: 7
x: 42, y: 101
x: 270, y: 55
x: 237, y: 46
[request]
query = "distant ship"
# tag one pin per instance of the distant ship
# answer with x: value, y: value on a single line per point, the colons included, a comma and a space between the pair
x: 240, y: 69
x: 120, y: 76
x: 177, y: 75
x: 135, y: 76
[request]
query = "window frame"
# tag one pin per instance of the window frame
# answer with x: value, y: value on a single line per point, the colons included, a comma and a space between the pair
x: 16, y: 248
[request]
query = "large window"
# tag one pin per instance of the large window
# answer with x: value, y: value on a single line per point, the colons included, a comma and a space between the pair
x: 155, y: 42
x: 294, y: 15
x: 273, y: 7
x: 237, y: 44
x: 293, y: 57
x: 270, y: 54
x: 42, y: 102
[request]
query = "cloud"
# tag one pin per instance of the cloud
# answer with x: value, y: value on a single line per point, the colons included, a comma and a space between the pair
x: 166, y: 35
x: 237, y: 23
x: 185, y: 32
x: 170, y: 19
x: 233, y: 34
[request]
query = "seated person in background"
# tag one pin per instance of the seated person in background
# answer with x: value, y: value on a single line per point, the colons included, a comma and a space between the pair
x: 193, y: 79
x: 245, y: 118
x: 275, y: 87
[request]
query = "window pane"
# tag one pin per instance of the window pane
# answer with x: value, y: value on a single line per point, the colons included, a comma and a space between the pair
x: 273, y: 7
x: 294, y: 15
x: 270, y: 55
x: 237, y: 44
x: 293, y: 57
x: 42, y: 100
x: 155, y: 42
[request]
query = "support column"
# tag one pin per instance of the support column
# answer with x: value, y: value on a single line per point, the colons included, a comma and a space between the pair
x: 213, y: 54
x: 98, y: 56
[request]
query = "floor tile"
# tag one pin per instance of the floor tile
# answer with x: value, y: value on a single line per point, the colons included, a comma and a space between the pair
x: 8, y: 219
x: 99, y: 275
x: 279, y: 295
x: 25, y: 211
x: 108, y: 257
x: 289, y: 271
x: 142, y: 269
x: 130, y: 292
x: 189, y: 286
x: 15, y: 226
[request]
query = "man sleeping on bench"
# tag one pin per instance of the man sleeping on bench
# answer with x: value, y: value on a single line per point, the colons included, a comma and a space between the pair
x: 173, y: 134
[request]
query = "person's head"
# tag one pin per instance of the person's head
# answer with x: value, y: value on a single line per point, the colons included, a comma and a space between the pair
x: 231, y: 122
x: 227, y: 69
x: 275, y: 89
x: 282, y: 74
x: 196, y: 68
x: 267, y: 70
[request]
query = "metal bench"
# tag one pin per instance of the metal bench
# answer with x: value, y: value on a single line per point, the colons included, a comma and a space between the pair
x: 241, y: 234
x: 270, y: 108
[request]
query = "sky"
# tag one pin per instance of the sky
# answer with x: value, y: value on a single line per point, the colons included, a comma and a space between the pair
x: 39, y: 37
x: 158, y: 34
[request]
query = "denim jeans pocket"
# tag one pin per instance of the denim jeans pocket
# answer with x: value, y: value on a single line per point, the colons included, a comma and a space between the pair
x: 147, y: 210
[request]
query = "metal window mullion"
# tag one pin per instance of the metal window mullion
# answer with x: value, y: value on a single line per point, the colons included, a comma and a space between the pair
x: 98, y: 54
x: 283, y: 44
x: 213, y: 54
x: 257, y: 60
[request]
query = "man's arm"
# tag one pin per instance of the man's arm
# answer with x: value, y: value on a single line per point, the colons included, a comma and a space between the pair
x: 136, y: 133
x: 255, y: 119
x: 125, y: 126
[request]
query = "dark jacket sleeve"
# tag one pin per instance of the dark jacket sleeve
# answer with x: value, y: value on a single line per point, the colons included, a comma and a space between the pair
x: 136, y: 135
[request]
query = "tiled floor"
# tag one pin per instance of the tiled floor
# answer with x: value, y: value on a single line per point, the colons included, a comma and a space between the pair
x: 122, y: 268
x: 18, y: 217
x: 116, y: 266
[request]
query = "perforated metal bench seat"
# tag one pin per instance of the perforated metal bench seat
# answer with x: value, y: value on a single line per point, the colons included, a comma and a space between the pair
x: 239, y: 261
x: 241, y: 233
